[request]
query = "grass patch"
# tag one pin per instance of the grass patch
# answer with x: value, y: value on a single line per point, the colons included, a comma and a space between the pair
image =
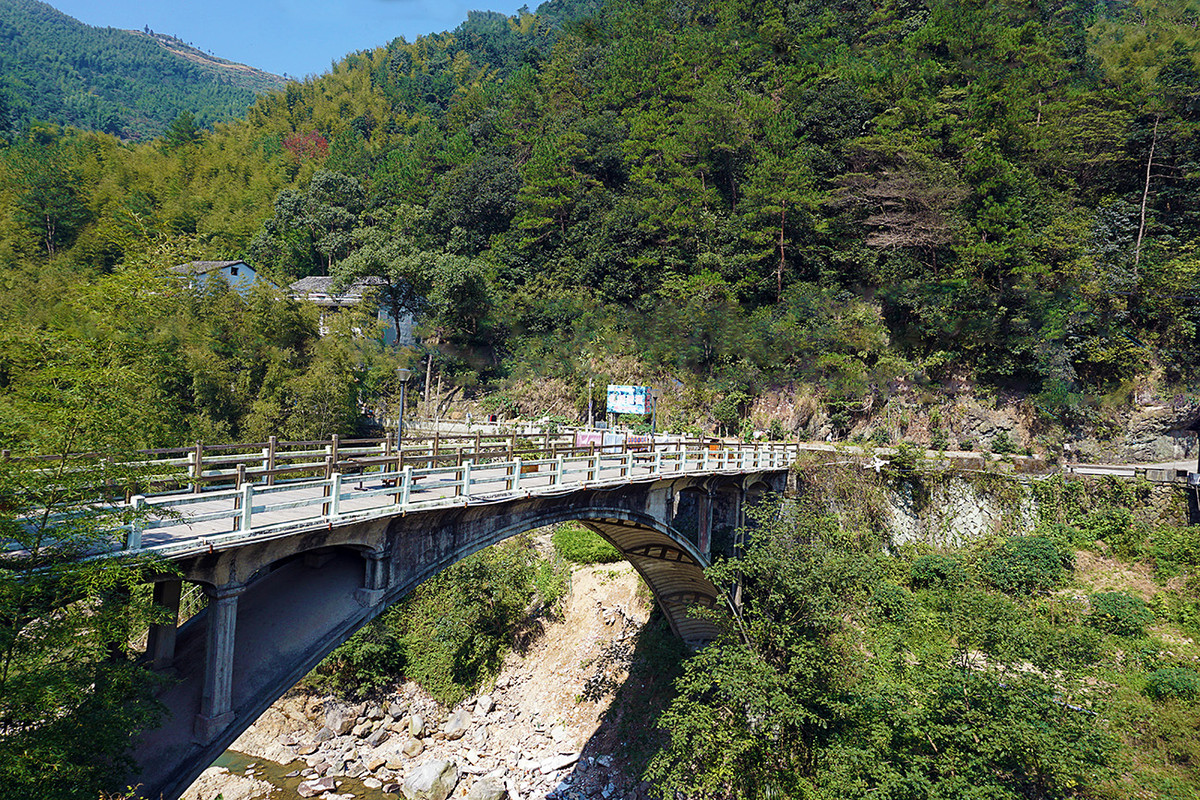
x: 582, y: 546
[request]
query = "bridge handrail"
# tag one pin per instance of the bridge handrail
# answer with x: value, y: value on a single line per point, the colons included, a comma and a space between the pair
x: 412, y: 486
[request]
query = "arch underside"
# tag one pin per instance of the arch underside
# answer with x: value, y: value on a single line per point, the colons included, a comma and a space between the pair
x: 671, y: 569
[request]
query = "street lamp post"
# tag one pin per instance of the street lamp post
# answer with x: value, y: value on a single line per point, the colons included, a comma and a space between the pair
x: 402, y: 375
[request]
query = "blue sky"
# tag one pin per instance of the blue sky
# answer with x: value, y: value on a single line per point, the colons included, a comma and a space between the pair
x: 299, y: 37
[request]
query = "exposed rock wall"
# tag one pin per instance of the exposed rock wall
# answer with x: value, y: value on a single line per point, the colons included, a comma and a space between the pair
x: 954, y: 511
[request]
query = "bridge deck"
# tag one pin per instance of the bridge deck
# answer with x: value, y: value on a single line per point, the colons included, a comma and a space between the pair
x: 184, y: 523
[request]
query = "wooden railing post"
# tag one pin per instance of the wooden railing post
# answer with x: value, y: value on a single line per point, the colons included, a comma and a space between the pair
x: 478, y: 444
x: 241, y: 476
x: 387, y: 444
x: 272, y: 445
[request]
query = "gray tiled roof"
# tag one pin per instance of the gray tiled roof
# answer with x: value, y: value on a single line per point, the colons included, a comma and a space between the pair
x: 324, y: 285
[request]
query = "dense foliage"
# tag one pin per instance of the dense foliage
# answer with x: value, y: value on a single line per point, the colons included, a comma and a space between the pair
x: 732, y: 193
x: 584, y: 546
x: 56, y: 69
x: 452, y: 633
x: 72, y: 688
x: 834, y: 680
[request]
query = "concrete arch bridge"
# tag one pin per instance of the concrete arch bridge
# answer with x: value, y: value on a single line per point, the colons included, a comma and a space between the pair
x: 292, y: 566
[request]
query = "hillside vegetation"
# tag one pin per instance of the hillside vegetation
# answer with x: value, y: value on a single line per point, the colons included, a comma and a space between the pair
x: 722, y: 195
x: 1057, y: 663
x: 131, y: 84
x: 717, y: 196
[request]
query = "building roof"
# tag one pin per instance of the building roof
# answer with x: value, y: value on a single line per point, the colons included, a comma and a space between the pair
x: 319, y: 289
x: 203, y: 267
x: 323, y: 283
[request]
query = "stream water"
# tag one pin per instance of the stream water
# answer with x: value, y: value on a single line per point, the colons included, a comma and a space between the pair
x: 277, y: 775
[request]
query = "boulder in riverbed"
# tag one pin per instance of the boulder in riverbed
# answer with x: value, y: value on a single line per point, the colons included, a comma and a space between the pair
x: 433, y: 780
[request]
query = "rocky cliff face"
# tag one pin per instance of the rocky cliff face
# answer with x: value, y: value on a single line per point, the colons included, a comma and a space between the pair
x: 1144, y: 427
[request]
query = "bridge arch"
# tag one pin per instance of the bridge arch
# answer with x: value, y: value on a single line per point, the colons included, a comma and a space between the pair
x: 314, y: 589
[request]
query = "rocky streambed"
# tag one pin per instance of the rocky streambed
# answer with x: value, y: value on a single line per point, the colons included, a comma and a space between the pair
x: 537, y: 733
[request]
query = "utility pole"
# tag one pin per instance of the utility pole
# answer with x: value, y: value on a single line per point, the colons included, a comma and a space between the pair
x: 428, y: 376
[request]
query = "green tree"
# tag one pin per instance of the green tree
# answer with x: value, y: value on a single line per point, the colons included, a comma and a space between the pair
x: 831, y: 681
x: 72, y: 692
x: 182, y: 131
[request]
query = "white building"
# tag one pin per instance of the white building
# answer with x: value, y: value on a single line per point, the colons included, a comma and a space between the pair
x: 318, y: 290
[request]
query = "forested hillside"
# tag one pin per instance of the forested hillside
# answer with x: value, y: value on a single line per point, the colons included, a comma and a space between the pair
x: 131, y: 84
x: 719, y: 195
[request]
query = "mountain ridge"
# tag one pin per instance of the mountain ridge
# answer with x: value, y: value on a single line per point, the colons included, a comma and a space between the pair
x: 132, y: 84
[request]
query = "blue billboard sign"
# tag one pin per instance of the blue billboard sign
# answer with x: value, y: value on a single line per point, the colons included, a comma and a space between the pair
x: 628, y: 399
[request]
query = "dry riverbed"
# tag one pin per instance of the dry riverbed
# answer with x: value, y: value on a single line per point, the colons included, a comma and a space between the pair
x: 535, y: 734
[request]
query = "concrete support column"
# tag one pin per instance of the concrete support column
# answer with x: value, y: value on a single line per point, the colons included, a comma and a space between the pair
x: 704, y: 523
x: 160, y: 645
x: 216, y: 699
x: 375, y: 579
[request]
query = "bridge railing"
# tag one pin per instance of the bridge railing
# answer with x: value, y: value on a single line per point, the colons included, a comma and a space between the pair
x: 408, y: 480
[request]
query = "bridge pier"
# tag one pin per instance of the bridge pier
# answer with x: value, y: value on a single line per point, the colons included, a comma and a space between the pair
x: 160, y: 644
x: 216, y: 698
x: 375, y: 582
x: 704, y: 522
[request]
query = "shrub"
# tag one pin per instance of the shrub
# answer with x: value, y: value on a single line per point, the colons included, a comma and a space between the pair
x: 938, y: 439
x: 892, y: 602
x: 1003, y: 444
x: 907, y: 459
x: 1077, y: 647
x: 936, y: 571
x: 1120, y: 614
x: 1172, y: 683
x: 1175, y: 548
x: 1028, y: 565
x: 1114, y: 526
x: 775, y: 431
x: 578, y: 544
x: 550, y: 580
